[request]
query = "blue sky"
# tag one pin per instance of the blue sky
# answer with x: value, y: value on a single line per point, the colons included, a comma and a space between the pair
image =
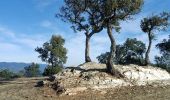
x: 26, y: 24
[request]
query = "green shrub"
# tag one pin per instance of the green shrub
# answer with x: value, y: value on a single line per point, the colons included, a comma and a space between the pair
x: 6, y: 74
x: 49, y: 70
x: 32, y: 70
x: 19, y: 74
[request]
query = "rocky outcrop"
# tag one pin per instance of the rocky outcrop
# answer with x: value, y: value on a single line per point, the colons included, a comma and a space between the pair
x: 140, y: 75
x: 94, y: 76
x: 92, y: 65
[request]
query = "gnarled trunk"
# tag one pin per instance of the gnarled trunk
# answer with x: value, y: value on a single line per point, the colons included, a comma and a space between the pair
x: 110, y: 67
x: 87, y: 49
x: 147, y: 61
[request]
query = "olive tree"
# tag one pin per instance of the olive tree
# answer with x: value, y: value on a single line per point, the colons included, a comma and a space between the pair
x: 112, y: 12
x: 151, y: 24
x: 83, y: 17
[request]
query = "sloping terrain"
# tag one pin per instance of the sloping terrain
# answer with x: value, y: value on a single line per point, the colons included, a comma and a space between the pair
x: 91, y: 82
x: 24, y: 89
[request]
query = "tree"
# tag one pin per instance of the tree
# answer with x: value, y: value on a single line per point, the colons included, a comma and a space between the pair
x: 51, y: 70
x: 131, y: 52
x: 151, y: 24
x: 164, y: 60
x: 112, y: 12
x: 83, y: 17
x: 103, y: 58
x: 53, y: 52
x: 32, y: 70
x: 164, y: 46
x: 134, y: 51
x: 6, y: 74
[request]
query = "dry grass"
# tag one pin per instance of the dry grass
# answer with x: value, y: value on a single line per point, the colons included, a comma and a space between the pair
x: 24, y: 89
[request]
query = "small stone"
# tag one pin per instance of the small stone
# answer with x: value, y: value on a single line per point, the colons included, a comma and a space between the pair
x: 52, y: 78
x: 42, y: 83
x: 103, y: 92
x: 71, y: 94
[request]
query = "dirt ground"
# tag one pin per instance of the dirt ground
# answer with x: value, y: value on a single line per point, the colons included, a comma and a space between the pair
x: 24, y: 89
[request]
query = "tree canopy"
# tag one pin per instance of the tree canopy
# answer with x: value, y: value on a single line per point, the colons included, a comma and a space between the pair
x: 163, y: 61
x: 164, y: 46
x: 131, y: 52
x: 151, y: 24
x: 83, y: 18
x: 32, y: 70
x: 111, y: 12
x: 53, y: 52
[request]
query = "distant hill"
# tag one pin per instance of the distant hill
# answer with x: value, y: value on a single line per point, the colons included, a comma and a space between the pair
x: 16, y: 67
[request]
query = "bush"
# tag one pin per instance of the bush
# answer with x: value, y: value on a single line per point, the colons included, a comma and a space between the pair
x: 49, y: 70
x: 163, y: 61
x: 6, y: 74
x: 32, y: 70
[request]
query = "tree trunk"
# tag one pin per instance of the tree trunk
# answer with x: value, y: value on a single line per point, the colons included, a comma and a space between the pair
x: 87, y: 49
x: 147, y: 61
x: 110, y: 67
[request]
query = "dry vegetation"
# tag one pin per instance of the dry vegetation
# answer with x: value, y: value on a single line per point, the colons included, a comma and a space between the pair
x: 24, y: 89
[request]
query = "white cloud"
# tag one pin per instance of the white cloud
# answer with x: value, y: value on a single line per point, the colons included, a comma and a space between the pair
x: 8, y: 46
x: 6, y: 32
x: 19, y: 47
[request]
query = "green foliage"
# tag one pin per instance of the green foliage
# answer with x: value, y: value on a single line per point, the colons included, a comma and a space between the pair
x: 19, y: 74
x: 6, y: 74
x: 103, y: 57
x: 53, y: 52
x: 134, y: 51
x: 164, y: 60
x: 49, y: 70
x: 131, y: 52
x: 151, y: 24
x: 155, y: 22
x: 82, y: 15
x: 32, y: 70
x: 164, y: 46
x: 111, y: 13
x: 114, y: 11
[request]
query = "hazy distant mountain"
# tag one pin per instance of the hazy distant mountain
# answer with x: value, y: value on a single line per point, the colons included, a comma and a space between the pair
x: 15, y: 67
